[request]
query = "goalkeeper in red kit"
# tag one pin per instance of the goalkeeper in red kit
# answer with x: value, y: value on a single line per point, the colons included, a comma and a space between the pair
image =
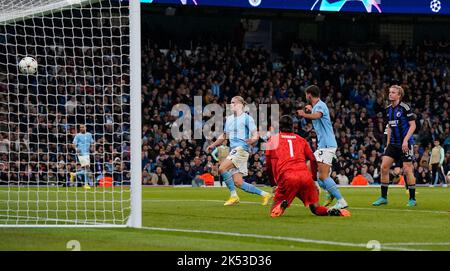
x: 286, y: 155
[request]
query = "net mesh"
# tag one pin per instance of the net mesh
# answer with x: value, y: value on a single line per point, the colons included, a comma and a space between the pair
x: 82, y: 51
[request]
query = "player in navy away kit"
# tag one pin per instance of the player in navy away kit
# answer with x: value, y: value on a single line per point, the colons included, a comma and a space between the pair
x: 286, y: 156
x: 401, y: 121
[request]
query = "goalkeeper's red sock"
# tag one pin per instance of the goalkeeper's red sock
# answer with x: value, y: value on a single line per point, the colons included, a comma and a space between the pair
x: 321, y: 211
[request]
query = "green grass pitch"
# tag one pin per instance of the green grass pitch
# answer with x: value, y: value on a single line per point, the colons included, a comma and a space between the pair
x: 186, y: 219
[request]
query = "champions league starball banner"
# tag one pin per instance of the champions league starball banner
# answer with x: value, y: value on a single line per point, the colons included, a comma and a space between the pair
x: 363, y: 6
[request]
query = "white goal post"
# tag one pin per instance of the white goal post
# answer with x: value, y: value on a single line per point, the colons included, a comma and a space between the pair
x: 70, y: 134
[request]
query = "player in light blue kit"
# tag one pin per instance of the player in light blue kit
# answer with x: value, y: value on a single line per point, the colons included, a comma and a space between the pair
x: 82, y: 142
x: 238, y: 128
x: 327, y: 144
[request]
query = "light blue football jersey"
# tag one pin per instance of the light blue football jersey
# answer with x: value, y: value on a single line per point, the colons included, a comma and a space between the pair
x: 323, y: 127
x: 239, y: 129
x: 83, y: 142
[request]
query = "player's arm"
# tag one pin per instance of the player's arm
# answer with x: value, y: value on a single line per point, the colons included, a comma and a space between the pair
x: 216, y: 143
x: 220, y: 139
x: 254, y: 132
x: 254, y: 138
x: 388, y: 130
x: 412, y: 127
x: 312, y: 116
x: 74, y: 144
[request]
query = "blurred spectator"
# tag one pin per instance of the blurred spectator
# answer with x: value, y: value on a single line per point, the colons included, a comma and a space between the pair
x: 179, y: 174
x: 437, y: 157
x: 197, y: 170
x: 396, y: 176
x: 341, y: 178
x: 189, y: 174
x: 366, y: 174
x: 159, y: 178
x: 359, y: 180
x: 353, y: 87
x: 251, y: 177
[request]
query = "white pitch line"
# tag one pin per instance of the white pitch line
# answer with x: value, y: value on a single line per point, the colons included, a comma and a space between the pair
x: 385, y: 245
x: 296, y: 204
x: 282, y: 238
x: 398, y: 210
x: 192, y: 200
x: 418, y: 244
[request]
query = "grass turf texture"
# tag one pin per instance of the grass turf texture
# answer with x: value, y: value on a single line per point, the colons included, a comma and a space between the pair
x: 207, y: 225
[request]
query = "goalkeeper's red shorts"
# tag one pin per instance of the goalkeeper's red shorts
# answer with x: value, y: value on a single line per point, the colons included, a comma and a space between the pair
x: 296, y: 184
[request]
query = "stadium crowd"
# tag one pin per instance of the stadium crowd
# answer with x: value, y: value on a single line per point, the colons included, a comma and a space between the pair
x: 38, y: 123
x: 353, y: 82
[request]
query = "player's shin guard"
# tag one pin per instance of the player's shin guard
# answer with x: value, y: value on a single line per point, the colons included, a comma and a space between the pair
x: 228, y: 179
x: 250, y: 188
x: 329, y: 185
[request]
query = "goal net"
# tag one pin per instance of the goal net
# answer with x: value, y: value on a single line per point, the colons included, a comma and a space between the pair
x: 65, y: 131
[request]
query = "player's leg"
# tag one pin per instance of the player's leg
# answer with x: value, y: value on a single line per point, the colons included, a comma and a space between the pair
x: 319, y: 210
x: 250, y: 188
x: 434, y: 175
x: 324, y: 159
x: 72, y: 176
x: 85, y: 162
x: 411, y: 180
x: 284, y: 195
x: 327, y: 183
x: 408, y: 169
x: 224, y: 170
x: 329, y: 197
x: 86, y: 177
x: 386, y: 164
x: 77, y: 171
x: 308, y: 194
x: 239, y: 158
x: 82, y: 174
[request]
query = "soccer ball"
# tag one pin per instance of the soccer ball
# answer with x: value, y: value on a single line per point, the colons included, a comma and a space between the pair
x: 28, y: 65
x: 255, y: 3
x: 435, y: 5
